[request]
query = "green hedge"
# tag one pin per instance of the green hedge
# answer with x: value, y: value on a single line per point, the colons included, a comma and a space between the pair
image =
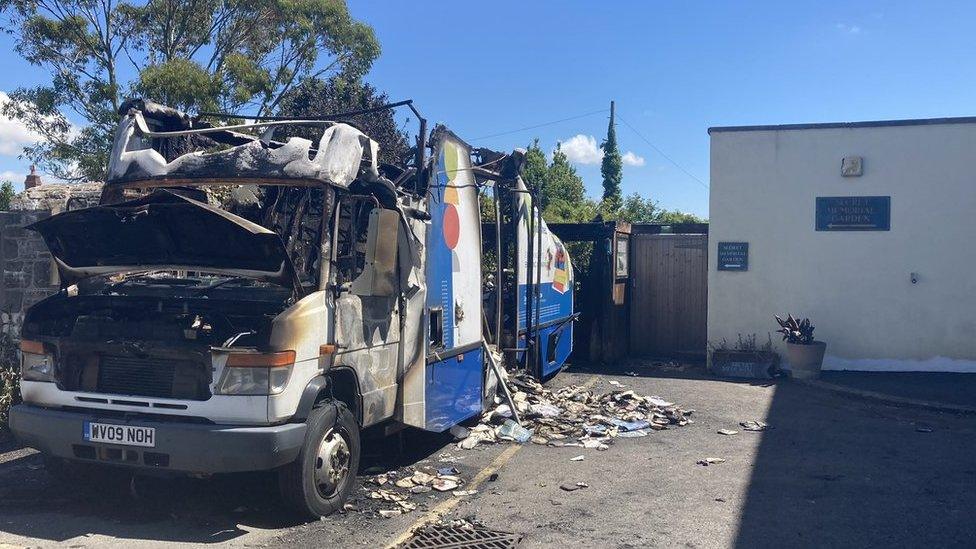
x: 9, y: 377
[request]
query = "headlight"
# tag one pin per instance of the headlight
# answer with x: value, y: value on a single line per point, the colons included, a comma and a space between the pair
x: 252, y: 373
x: 36, y: 362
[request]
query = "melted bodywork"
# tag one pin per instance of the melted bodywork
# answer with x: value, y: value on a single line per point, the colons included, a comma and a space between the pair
x: 341, y: 155
x: 162, y: 230
x: 211, y: 241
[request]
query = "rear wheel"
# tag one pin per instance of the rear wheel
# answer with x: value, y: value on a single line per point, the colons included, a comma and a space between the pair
x: 321, y: 479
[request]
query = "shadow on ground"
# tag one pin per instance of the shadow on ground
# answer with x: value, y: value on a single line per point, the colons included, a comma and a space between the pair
x: 837, y: 472
x: 176, y: 509
x: 661, y: 368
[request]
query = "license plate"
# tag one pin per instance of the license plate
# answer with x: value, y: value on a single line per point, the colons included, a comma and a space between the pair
x: 126, y: 435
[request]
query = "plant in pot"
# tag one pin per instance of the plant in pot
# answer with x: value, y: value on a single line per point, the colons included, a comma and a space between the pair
x: 804, y: 354
x: 745, y: 359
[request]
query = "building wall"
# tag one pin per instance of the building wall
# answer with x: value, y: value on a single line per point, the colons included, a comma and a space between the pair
x: 855, y: 286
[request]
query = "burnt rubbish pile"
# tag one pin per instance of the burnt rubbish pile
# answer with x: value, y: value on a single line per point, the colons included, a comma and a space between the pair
x: 401, y: 491
x: 571, y: 416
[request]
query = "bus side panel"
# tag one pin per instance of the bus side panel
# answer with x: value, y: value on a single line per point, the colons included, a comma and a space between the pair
x: 555, y: 343
x: 453, y: 390
x: 453, y: 385
x: 551, y: 267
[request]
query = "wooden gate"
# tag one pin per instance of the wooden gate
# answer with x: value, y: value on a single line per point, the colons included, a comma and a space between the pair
x: 668, y: 294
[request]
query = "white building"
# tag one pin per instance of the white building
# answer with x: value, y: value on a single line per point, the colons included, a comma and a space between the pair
x: 891, y: 291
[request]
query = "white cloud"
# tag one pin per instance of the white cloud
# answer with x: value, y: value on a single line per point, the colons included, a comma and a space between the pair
x: 849, y: 29
x: 14, y: 135
x: 582, y: 149
x: 631, y: 159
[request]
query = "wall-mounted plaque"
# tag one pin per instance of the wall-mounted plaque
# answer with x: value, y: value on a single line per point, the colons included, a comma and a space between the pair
x: 733, y: 256
x: 853, y: 213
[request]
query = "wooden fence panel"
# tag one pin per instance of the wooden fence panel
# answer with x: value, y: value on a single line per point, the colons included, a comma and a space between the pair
x: 669, y: 294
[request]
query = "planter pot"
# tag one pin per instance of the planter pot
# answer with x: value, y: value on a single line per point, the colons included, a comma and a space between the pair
x: 806, y: 360
x: 744, y: 364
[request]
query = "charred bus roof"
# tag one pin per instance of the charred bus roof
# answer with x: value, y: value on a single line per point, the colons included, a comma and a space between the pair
x: 157, y: 146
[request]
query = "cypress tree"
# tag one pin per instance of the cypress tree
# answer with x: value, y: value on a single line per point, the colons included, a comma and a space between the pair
x: 612, y: 171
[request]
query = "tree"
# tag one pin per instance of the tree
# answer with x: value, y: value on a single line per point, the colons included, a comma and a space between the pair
x: 672, y: 217
x: 315, y: 98
x: 612, y: 170
x: 637, y: 209
x: 534, y: 169
x: 6, y: 194
x: 232, y: 55
x: 563, y: 198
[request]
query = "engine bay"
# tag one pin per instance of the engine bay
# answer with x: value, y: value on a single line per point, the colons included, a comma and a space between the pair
x: 152, y: 335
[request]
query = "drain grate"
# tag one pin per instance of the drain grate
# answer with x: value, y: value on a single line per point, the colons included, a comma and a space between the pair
x: 473, y: 537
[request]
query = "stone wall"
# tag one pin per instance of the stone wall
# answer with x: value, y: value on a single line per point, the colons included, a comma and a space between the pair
x: 57, y: 198
x: 28, y: 273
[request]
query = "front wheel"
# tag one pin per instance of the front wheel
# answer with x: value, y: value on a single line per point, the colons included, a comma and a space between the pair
x: 318, y: 482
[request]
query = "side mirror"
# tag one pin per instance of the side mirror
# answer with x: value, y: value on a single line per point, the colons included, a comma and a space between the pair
x: 379, y: 273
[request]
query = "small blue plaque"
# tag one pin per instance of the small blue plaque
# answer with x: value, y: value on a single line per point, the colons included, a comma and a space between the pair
x: 853, y: 213
x: 733, y: 256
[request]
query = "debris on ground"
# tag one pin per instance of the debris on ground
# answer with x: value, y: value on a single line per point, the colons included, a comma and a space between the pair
x: 393, y: 493
x: 570, y: 487
x: 578, y: 458
x: 728, y: 432
x: 513, y: 431
x: 754, y: 425
x: 710, y: 461
x: 573, y: 416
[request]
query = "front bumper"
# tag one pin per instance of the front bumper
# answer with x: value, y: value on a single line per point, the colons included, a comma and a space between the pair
x: 180, y: 447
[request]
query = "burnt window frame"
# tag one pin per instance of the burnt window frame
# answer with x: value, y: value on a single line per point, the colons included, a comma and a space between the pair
x: 340, y: 201
x: 617, y: 271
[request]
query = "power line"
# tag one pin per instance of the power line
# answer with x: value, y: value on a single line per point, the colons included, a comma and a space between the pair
x: 660, y: 152
x: 544, y: 124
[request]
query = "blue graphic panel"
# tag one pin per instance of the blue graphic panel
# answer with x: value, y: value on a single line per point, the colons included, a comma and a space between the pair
x: 554, y: 307
x: 560, y: 336
x: 439, y: 257
x: 454, y: 389
x: 552, y: 304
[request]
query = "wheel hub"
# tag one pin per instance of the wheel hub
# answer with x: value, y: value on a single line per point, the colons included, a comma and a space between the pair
x: 332, y: 462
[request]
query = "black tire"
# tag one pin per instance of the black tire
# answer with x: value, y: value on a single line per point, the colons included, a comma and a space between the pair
x: 299, y: 481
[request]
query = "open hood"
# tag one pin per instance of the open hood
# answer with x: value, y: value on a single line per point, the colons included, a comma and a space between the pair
x: 163, y: 230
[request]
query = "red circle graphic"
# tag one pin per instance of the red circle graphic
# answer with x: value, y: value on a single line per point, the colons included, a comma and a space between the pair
x: 452, y: 226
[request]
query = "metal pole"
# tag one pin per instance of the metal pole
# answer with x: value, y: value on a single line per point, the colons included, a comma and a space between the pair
x: 529, y: 278
x: 324, y: 117
x: 501, y: 381
x: 421, y: 151
x: 538, y: 290
x: 499, y: 267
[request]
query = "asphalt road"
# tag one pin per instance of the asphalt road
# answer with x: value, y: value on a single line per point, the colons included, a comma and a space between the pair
x: 832, y: 472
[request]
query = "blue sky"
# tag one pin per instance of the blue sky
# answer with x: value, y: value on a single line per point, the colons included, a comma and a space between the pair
x: 674, y: 69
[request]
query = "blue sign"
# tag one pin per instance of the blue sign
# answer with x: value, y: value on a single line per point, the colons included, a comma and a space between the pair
x: 853, y: 213
x: 733, y: 256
